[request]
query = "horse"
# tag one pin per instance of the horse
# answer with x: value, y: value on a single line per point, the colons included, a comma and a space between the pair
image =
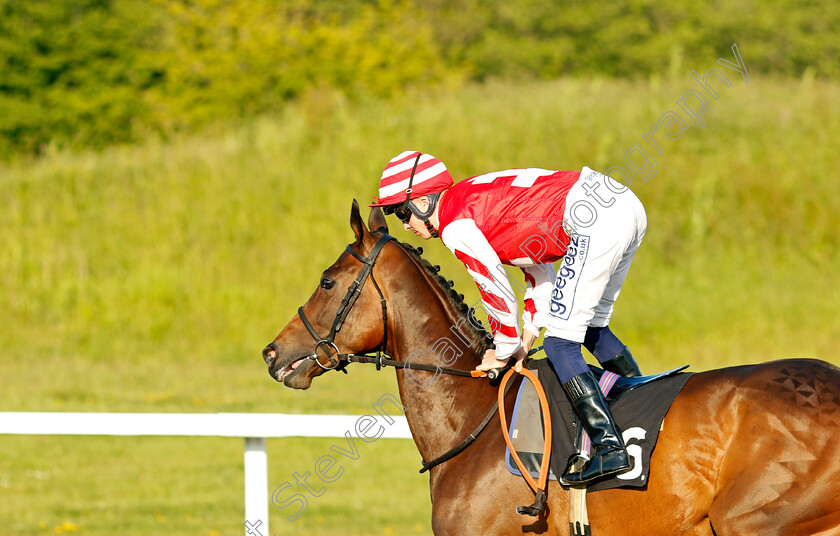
x: 752, y: 449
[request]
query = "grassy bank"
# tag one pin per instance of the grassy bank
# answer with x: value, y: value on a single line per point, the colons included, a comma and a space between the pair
x: 148, y: 278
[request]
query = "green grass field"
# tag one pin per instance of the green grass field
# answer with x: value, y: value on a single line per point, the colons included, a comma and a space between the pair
x: 149, y: 278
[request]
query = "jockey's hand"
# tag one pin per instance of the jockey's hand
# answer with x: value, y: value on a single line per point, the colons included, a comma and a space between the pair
x: 489, y: 360
x: 528, y: 339
x: 520, y: 356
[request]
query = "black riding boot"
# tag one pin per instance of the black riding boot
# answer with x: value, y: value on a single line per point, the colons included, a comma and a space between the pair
x: 609, y: 456
x: 623, y: 364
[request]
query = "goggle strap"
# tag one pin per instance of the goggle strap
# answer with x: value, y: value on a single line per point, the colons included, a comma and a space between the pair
x: 411, y: 182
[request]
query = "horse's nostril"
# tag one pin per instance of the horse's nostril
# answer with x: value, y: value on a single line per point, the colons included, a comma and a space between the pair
x: 269, y: 353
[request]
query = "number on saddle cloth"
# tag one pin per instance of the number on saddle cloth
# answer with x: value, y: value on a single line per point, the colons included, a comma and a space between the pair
x: 638, y: 404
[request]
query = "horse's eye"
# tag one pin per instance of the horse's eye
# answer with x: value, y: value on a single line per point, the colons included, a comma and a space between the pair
x: 327, y: 283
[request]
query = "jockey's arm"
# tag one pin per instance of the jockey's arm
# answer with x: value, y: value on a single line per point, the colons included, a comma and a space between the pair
x: 539, y: 279
x: 469, y: 244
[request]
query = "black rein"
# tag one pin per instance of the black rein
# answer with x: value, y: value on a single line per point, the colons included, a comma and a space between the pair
x: 339, y: 361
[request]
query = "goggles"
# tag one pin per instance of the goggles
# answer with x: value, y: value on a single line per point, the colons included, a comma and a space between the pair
x: 402, y: 211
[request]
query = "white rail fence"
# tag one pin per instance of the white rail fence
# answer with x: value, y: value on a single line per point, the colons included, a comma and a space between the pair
x: 253, y: 427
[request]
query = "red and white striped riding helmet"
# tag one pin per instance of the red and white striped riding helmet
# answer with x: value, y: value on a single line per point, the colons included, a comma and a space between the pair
x: 430, y: 176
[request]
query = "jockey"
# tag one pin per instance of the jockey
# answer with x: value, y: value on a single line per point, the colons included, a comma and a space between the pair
x: 531, y: 218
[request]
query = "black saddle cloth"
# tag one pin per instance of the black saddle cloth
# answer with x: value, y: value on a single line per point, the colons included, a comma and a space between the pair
x: 639, y: 406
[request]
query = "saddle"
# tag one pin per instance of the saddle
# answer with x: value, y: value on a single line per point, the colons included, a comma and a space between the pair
x: 638, y: 404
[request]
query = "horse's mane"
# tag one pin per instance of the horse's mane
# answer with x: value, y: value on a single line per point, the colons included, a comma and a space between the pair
x: 481, y: 339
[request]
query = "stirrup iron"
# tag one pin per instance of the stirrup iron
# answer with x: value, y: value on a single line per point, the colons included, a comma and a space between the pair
x: 535, y: 509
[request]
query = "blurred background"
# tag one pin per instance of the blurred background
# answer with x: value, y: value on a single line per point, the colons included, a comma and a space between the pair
x: 175, y: 175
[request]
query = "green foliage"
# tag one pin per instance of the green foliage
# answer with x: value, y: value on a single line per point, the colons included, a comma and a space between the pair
x: 72, y: 72
x: 243, y: 57
x: 89, y: 73
x: 548, y: 38
x: 97, y: 72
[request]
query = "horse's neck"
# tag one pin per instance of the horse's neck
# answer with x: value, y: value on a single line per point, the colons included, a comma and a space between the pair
x: 441, y: 409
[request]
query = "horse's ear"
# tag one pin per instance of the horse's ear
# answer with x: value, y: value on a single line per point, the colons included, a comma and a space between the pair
x: 356, y: 222
x: 376, y: 220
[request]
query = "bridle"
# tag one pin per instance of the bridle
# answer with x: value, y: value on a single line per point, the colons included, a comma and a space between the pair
x: 346, y: 305
x: 339, y: 360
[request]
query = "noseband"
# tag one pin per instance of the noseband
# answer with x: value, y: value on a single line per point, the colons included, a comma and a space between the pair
x: 346, y: 305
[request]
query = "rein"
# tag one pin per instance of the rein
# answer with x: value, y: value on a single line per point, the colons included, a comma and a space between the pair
x: 339, y: 361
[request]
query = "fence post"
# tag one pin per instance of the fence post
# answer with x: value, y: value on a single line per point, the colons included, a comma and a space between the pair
x: 256, y: 487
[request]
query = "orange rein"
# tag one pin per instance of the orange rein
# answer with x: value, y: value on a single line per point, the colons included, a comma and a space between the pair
x: 539, y: 487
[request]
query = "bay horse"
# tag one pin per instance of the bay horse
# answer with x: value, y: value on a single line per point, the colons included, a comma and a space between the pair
x: 744, y: 450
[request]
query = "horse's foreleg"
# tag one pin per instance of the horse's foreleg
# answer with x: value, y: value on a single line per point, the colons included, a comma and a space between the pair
x: 480, y: 496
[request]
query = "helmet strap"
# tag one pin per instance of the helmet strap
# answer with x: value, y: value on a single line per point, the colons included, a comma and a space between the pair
x: 431, y: 228
x: 405, y: 203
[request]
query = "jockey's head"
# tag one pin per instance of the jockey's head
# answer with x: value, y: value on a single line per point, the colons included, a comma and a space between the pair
x: 411, y: 184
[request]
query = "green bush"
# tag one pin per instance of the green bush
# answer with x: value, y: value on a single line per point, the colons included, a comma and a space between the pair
x: 73, y: 72
x: 96, y: 72
x: 548, y: 38
x: 90, y: 73
x: 245, y: 57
